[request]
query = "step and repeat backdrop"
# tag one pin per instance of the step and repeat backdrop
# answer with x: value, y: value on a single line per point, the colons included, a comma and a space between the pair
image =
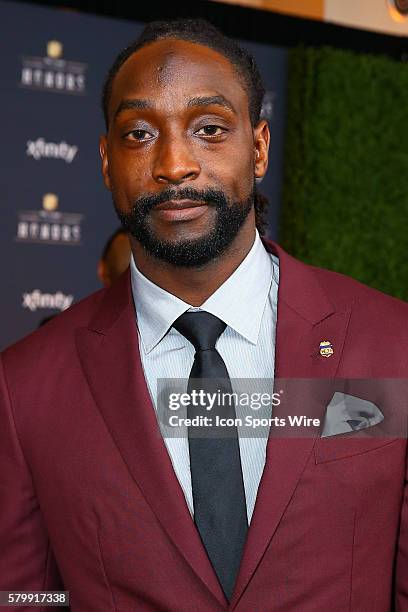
x: 56, y: 213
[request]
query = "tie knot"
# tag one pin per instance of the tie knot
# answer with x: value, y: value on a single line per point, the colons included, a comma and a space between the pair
x: 201, y: 328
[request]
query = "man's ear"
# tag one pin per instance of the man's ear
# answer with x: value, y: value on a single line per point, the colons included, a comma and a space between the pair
x: 103, y: 152
x: 261, y: 143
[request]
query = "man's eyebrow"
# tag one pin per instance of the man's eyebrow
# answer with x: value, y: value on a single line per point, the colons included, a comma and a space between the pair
x: 211, y: 100
x: 141, y: 104
x: 129, y: 104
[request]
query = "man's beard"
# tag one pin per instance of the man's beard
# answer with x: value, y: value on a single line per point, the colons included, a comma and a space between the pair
x: 229, y: 218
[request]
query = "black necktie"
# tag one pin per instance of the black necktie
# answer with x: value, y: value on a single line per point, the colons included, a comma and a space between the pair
x: 215, y: 462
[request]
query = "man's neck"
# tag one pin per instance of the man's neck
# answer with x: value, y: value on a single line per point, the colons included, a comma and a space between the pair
x: 194, y: 285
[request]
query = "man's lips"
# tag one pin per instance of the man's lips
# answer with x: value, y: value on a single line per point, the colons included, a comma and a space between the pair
x: 180, y: 210
x: 178, y: 204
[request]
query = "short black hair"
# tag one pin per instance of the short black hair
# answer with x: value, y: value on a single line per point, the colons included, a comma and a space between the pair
x: 204, y: 33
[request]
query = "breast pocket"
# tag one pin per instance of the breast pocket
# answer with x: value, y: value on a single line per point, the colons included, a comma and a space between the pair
x: 334, y: 448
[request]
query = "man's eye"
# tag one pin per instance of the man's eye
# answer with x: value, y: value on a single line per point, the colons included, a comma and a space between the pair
x: 140, y: 135
x: 210, y: 130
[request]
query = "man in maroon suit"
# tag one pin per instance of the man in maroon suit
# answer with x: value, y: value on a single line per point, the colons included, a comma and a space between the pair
x: 93, y: 498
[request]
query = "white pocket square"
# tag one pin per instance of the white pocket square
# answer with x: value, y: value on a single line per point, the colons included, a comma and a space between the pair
x: 346, y: 413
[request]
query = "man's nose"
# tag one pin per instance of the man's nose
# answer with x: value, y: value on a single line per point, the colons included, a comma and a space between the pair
x: 175, y: 162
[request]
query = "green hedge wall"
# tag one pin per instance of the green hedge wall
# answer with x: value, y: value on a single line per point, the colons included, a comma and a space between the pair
x: 345, y: 195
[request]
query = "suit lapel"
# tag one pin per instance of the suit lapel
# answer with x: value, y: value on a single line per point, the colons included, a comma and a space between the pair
x: 305, y: 318
x: 109, y: 353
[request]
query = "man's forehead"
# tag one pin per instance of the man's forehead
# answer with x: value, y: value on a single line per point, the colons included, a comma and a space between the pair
x: 171, y: 63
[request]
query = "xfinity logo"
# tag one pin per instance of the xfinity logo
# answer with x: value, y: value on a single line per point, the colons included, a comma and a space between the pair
x: 56, y: 301
x: 52, y: 150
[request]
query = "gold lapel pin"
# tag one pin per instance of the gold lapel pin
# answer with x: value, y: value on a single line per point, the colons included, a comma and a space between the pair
x: 326, y: 348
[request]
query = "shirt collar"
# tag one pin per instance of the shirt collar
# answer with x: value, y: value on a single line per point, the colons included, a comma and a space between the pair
x: 239, y: 302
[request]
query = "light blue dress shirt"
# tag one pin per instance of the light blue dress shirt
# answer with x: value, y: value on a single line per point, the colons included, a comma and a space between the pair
x: 247, y: 303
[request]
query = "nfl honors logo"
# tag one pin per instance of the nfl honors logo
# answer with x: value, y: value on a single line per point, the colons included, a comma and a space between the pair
x: 53, y: 72
x: 49, y: 225
x: 326, y: 348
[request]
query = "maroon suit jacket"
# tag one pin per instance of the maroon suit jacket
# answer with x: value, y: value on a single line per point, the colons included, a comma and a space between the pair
x: 89, y: 500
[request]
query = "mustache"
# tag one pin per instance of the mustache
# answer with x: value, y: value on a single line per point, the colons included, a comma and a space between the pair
x: 211, y: 196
